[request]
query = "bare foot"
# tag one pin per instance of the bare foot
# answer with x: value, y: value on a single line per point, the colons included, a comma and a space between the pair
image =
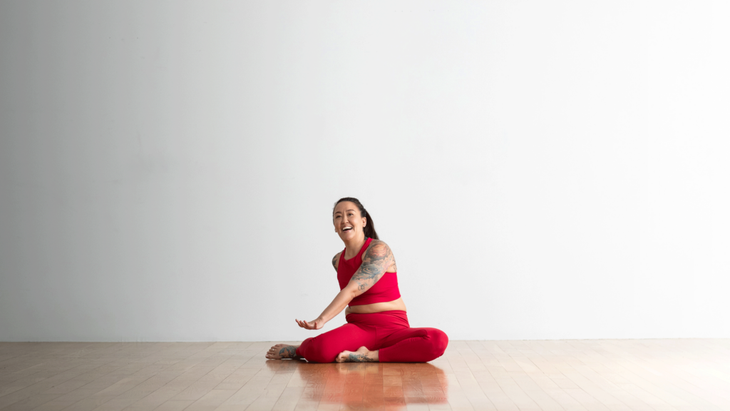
x: 281, y: 351
x: 361, y: 355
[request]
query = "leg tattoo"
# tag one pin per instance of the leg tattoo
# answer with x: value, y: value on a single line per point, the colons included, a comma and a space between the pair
x: 354, y: 357
x: 281, y: 351
x: 361, y: 355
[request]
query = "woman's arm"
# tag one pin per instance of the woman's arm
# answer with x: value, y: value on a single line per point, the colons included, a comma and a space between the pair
x: 375, y: 262
x: 336, y: 260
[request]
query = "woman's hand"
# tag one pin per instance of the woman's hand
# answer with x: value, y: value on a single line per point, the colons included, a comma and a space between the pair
x: 311, y: 325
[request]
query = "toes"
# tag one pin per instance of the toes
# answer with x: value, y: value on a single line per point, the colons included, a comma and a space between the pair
x: 342, y: 357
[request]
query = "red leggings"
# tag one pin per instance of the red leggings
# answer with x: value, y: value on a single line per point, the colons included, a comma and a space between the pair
x: 388, y: 332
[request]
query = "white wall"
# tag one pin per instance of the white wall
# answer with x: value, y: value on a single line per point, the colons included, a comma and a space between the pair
x: 541, y: 169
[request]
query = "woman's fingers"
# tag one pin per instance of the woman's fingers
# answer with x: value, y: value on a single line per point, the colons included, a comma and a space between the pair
x: 306, y: 324
x: 302, y: 324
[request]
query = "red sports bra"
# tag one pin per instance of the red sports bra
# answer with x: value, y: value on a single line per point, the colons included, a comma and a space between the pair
x: 384, y: 290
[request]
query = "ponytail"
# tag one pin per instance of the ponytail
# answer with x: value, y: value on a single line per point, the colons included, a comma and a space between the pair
x: 369, y: 228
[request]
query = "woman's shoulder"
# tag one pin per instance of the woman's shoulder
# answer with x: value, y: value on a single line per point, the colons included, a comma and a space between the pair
x: 379, y: 250
x: 378, y: 244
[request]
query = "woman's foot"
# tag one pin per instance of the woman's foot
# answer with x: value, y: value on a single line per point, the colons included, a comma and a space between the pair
x: 361, y: 355
x: 281, y: 351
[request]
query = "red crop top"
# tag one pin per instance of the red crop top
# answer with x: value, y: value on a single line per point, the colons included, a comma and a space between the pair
x: 384, y: 290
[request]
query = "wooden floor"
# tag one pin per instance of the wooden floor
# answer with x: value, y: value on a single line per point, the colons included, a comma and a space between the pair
x: 480, y: 375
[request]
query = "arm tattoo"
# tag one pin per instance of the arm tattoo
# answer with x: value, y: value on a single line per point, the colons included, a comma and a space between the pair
x: 375, y: 262
x: 335, y: 260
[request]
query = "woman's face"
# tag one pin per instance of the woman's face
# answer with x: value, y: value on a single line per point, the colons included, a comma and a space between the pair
x: 348, y: 221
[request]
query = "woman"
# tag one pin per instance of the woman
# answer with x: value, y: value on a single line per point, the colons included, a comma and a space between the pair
x: 377, y: 327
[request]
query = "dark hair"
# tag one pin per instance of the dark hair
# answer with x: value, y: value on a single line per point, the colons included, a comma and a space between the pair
x: 370, y: 227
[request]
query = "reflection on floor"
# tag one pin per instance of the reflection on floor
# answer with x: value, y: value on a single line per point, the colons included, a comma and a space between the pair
x: 652, y: 375
x: 368, y: 385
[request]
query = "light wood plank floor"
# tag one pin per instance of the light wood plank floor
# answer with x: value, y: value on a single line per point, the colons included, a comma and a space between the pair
x: 652, y: 375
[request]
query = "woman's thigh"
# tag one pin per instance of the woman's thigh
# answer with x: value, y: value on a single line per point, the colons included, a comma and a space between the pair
x: 397, y: 336
x: 431, y: 335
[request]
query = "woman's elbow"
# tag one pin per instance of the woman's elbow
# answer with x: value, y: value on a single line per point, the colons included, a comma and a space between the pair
x: 352, y: 291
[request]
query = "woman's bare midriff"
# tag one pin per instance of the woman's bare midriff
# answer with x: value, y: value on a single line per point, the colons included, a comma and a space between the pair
x: 377, y: 307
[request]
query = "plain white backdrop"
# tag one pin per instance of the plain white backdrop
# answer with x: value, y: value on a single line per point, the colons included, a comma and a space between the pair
x: 541, y: 170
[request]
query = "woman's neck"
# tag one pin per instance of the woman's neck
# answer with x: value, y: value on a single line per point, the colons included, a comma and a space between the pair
x: 353, y: 246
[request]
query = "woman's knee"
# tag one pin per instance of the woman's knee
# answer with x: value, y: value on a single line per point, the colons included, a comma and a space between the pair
x: 439, y: 341
x: 317, y: 350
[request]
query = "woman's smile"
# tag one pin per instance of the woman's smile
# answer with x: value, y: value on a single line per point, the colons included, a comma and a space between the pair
x: 347, y: 219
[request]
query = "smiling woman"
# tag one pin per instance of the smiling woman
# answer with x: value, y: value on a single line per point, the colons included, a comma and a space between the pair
x: 377, y: 326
